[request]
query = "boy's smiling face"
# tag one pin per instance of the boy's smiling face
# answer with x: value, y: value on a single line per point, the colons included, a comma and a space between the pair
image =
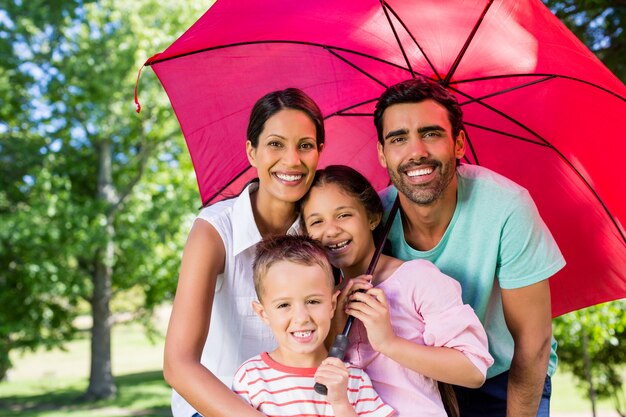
x: 298, y: 303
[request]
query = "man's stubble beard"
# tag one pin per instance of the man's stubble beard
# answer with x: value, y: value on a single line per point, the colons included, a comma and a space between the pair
x: 428, y: 194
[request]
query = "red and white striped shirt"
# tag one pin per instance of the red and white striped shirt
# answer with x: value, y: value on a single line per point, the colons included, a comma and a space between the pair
x: 279, y: 390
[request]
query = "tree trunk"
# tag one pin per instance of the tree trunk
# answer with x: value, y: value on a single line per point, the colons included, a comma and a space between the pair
x: 101, y: 383
x: 618, y: 400
x: 5, y: 362
x: 587, y: 363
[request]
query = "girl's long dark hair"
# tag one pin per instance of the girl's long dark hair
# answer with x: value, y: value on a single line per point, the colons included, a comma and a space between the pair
x: 448, y: 398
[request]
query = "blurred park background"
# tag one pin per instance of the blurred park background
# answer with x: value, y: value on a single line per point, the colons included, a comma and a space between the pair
x: 96, y: 201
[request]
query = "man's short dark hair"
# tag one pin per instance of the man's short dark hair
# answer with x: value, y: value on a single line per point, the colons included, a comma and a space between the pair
x: 416, y: 90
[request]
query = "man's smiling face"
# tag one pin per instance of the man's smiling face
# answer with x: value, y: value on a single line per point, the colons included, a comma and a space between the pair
x: 419, y: 150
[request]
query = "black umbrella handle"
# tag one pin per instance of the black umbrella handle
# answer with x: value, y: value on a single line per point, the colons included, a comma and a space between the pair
x: 338, y: 350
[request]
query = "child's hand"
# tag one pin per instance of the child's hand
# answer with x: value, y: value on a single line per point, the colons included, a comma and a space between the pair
x: 372, y: 309
x: 361, y: 282
x: 334, y: 374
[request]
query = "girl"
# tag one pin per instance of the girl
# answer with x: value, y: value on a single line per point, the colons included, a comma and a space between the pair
x: 213, y: 327
x: 413, y: 328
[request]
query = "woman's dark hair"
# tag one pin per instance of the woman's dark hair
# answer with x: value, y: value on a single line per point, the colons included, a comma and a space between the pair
x: 416, y: 90
x: 272, y: 103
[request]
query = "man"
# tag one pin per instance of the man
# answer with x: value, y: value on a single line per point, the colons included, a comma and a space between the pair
x: 481, y: 229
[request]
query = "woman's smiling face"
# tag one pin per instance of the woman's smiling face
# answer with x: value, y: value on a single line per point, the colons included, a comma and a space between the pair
x: 286, y: 155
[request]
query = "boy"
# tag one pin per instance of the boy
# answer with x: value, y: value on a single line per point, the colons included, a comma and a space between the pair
x: 295, y: 287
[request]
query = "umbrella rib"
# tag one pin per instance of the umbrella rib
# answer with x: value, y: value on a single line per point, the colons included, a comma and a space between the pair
x: 272, y: 41
x: 395, y: 34
x: 351, y: 115
x: 415, y: 41
x: 356, y: 67
x: 506, y: 116
x: 497, y: 93
x: 340, y: 112
x: 510, y: 135
x: 549, y: 145
x: 494, y: 77
x: 208, y: 200
x: 469, y: 39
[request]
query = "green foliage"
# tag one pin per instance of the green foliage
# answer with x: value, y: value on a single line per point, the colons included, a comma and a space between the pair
x: 600, y: 25
x: 602, y: 329
x: 67, y: 72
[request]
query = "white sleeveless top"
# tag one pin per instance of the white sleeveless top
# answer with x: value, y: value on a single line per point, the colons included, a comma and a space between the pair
x: 235, y: 333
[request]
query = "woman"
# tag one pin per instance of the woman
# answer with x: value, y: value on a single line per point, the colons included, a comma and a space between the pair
x: 212, y: 328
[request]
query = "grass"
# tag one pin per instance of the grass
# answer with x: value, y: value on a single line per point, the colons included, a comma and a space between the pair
x: 139, y: 394
x: 49, y: 384
x: 568, y: 398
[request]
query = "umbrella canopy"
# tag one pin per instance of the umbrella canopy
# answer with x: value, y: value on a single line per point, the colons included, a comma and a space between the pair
x: 539, y: 107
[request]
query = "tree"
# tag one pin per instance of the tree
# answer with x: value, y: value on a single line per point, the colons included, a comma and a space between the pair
x: 26, y: 321
x: 600, y: 25
x: 592, y: 345
x: 95, y: 197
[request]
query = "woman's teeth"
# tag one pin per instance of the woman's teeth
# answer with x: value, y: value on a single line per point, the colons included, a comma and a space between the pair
x: 286, y: 177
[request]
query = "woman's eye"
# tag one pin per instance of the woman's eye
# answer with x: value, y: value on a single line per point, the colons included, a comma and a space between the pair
x: 314, y: 222
x: 274, y: 144
x: 307, y: 145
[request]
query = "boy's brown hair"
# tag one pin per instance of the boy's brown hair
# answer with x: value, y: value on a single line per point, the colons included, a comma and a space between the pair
x: 301, y: 250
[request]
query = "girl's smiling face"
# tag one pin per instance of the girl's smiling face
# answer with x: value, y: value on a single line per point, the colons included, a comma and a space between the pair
x: 342, y: 224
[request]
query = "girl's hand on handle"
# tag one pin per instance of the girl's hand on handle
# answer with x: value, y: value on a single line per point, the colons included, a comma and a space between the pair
x: 361, y: 282
x: 372, y: 309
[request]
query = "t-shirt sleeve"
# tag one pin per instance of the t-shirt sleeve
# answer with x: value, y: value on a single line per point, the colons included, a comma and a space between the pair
x: 364, y: 398
x: 528, y: 253
x: 447, y: 321
x: 240, y: 384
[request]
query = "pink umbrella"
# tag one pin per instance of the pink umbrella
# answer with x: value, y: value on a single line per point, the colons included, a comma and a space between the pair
x: 539, y: 107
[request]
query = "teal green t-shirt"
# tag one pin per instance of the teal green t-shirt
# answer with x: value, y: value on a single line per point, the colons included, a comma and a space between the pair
x: 496, y: 239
